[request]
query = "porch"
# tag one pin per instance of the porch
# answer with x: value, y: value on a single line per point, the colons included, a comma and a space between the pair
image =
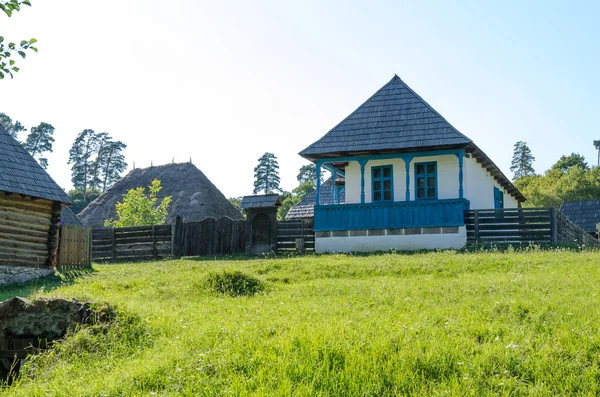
x: 391, y: 215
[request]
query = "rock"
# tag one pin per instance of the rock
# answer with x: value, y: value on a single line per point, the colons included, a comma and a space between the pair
x: 42, y: 318
x: 20, y: 274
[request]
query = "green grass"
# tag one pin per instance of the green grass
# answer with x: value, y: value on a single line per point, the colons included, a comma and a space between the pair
x: 484, y: 323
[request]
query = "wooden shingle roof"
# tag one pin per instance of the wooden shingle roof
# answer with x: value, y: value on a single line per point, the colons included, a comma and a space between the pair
x: 396, y: 119
x: 305, y: 209
x: 21, y: 174
x: 585, y: 214
x: 260, y: 201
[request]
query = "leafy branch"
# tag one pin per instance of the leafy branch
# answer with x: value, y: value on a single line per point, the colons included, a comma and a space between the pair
x: 7, y: 65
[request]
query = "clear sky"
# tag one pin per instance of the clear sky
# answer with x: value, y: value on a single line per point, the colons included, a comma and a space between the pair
x: 223, y: 82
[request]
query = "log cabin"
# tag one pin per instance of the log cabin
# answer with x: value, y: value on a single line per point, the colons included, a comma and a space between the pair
x: 30, y: 208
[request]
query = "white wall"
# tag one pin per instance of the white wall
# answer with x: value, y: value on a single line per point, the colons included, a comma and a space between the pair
x: 478, y: 184
x: 479, y: 187
x: 385, y: 243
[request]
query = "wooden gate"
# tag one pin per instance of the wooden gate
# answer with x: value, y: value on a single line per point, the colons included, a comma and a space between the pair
x: 289, y: 231
x: 75, y: 247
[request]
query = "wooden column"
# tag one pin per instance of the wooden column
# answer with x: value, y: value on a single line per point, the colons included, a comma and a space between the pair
x: 362, y: 163
x: 333, y: 178
x: 460, y: 174
x: 407, y: 161
x: 318, y: 169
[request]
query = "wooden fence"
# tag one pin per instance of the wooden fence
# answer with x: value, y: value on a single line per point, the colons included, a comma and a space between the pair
x: 75, y: 247
x: 131, y: 243
x: 289, y: 231
x: 523, y: 226
x: 208, y: 237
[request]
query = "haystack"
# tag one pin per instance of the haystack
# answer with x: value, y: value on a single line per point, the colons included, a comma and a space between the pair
x: 194, y: 197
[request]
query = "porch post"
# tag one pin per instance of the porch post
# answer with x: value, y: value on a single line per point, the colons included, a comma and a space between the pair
x: 407, y: 161
x: 460, y: 174
x: 318, y: 170
x: 333, y: 178
x: 362, y: 163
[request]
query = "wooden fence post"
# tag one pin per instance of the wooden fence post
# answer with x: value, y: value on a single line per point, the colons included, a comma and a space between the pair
x: 114, y: 245
x: 177, y: 239
x: 476, y: 225
x: 154, y: 253
x: 553, y: 226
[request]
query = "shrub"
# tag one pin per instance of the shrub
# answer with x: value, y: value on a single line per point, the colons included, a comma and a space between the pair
x: 234, y: 283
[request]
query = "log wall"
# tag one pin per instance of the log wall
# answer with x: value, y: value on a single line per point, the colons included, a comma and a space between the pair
x: 24, y: 230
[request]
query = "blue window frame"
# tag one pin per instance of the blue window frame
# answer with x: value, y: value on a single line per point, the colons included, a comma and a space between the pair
x: 498, y: 198
x: 382, y: 183
x: 426, y: 181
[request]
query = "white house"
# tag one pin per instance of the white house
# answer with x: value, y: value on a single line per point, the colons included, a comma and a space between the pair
x: 409, y: 176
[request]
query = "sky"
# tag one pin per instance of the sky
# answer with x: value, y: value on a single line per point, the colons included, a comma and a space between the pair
x: 222, y: 82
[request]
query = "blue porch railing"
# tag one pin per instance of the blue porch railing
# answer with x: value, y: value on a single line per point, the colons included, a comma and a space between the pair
x: 403, y: 214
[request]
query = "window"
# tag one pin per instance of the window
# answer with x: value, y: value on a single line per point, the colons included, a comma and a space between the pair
x: 382, y: 183
x: 426, y: 180
x: 498, y: 198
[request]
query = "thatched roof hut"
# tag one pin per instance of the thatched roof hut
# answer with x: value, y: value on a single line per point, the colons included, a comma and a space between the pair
x: 194, y: 197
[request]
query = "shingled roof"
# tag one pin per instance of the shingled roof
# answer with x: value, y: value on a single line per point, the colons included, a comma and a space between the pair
x: 260, y: 201
x: 20, y: 173
x: 397, y: 119
x: 305, y: 209
x: 585, y: 214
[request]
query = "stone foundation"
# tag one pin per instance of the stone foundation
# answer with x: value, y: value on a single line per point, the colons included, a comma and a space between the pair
x: 18, y: 274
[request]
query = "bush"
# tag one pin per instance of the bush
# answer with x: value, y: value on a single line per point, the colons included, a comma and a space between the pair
x: 234, y: 283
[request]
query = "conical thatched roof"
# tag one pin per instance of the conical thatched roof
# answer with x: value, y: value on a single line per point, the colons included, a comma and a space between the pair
x: 193, y: 196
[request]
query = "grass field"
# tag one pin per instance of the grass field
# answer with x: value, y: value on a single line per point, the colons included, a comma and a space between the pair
x: 490, y: 323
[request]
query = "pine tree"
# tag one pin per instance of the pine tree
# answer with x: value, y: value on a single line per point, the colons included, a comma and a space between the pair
x: 522, y: 162
x: 39, y: 141
x: 266, y: 174
x: 12, y: 128
x: 95, y: 180
x: 81, y: 156
x: 112, y: 163
x: 597, y: 146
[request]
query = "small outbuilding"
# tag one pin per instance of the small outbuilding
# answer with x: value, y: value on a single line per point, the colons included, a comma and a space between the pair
x: 193, y: 195
x: 30, y: 208
x: 261, y: 221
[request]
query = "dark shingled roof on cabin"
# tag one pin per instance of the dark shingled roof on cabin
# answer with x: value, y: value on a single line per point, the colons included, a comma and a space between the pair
x: 20, y: 173
x: 305, y: 209
x: 68, y: 218
x: 260, y: 201
x: 585, y: 214
x: 397, y: 119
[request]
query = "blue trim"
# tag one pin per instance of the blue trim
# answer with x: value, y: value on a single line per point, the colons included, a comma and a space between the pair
x: 391, y: 215
x: 426, y: 176
x: 460, y: 174
x: 318, y: 169
x: 331, y: 169
x: 391, y: 156
x: 362, y: 163
x: 382, y: 179
x: 407, y: 161
x: 333, y: 178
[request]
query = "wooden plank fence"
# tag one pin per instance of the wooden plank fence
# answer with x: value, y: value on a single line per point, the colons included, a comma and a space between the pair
x: 75, y: 247
x: 523, y: 226
x: 209, y: 237
x: 289, y: 231
x: 131, y: 243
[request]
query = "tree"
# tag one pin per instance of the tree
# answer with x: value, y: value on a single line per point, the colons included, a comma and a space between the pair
x: 304, y: 190
x: 12, y: 128
x: 597, y: 146
x: 7, y: 65
x: 266, y: 174
x: 39, y: 141
x: 289, y: 200
x: 112, y: 162
x: 308, y: 173
x: 139, y: 209
x: 235, y: 201
x: 81, y: 156
x: 570, y: 161
x: 522, y: 162
x: 76, y: 195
